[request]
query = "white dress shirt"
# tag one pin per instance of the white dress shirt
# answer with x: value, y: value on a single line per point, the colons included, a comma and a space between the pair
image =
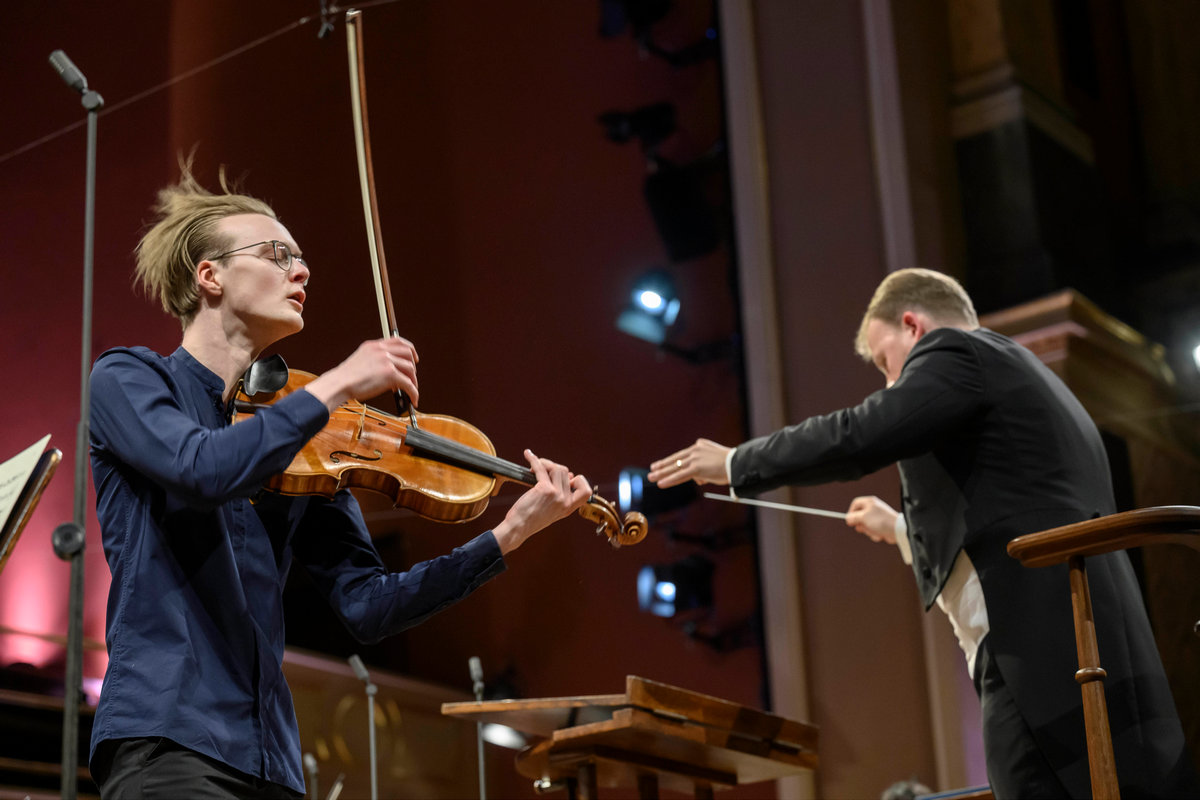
x: 961, y: 598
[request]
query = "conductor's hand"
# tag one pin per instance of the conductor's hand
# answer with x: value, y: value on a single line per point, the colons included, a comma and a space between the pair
x: 873, y: 517
x: 377, y: 366
x: 702, y: 462
x: 557, y: 493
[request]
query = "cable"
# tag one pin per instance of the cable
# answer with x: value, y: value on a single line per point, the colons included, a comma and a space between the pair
x: 237, y: 51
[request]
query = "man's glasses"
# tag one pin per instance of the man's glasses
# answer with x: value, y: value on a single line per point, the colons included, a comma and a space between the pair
x: 282, y: 255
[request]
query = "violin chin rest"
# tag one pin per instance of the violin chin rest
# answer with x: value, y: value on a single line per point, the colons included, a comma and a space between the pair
x: 268, y: 374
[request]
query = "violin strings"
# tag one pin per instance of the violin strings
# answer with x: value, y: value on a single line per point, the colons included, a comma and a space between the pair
x: 378, y: 415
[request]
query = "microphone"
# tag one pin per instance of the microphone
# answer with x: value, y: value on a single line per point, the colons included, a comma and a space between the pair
x: 326, y: 21
x: 69, y: 72
x: 476, y: 676
x: 310, y: 765
x: 360, y: 671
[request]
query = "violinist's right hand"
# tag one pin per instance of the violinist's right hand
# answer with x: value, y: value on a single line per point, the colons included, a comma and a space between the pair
x: 376, y: 367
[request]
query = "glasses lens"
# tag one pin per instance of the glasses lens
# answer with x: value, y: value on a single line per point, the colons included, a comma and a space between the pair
x: 283, y: 256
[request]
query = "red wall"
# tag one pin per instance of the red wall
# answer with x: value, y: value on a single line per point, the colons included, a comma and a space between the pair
x: 513, y: 231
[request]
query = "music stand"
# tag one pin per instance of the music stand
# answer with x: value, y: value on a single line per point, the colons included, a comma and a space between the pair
x: 654, y: 735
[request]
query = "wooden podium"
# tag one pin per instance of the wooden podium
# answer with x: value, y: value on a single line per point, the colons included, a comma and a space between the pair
x: 654, y: 735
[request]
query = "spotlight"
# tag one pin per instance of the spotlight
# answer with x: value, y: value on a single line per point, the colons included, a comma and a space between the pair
x: 1196, y: 356
x: 653, y: 308
x: 635, y: 493
x: 667, y: 589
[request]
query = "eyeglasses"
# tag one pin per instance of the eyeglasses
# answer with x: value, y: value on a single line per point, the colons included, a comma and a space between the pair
x: 282, y: 255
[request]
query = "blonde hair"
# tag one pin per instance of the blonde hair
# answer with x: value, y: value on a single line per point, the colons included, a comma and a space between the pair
x: 185, y: 233
x: 934, y: 293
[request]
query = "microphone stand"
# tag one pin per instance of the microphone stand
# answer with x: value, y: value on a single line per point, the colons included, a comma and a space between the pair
x: 68, y: 538
x: 477, y: 680
x: 356, y: 664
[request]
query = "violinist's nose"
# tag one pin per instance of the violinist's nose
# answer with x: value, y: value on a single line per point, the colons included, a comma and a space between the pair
x: 299, y: 272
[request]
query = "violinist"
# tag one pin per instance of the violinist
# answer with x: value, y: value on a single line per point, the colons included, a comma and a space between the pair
x: 991, y: 445
x: 194, y: 701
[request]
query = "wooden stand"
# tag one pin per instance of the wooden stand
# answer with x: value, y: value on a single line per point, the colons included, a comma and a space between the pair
x: 653, y: 736
x: 1070, y: 543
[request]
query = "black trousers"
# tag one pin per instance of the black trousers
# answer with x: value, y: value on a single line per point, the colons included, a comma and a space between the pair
x: 130, y: 769
x: 1016, y: 768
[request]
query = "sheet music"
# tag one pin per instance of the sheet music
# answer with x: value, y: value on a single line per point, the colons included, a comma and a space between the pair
x: 15, y: 474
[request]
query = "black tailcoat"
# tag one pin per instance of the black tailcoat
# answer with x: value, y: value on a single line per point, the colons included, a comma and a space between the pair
x: 992, y: 445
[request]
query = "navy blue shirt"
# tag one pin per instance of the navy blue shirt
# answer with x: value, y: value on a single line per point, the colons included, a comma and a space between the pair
x: 195, y: 624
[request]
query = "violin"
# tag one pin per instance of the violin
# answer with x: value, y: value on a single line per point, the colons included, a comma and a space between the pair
x: 438, y: 466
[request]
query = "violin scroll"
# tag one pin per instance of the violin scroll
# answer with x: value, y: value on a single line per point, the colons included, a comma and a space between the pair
x: 631, y: 530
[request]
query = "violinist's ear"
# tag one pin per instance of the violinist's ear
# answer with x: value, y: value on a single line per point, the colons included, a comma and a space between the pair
x: 208, y: 278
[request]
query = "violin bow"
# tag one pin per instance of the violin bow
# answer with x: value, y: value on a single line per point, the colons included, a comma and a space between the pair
x: 366, y: 180
x: 597, y: 509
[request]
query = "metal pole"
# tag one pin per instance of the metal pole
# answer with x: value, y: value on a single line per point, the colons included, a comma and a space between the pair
x: 371, y: 689
x: 68, y: 538
x: 360, y: 670
x: 476, y: 668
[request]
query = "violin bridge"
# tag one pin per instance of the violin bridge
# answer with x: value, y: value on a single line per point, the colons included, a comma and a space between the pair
x: 362, y: 421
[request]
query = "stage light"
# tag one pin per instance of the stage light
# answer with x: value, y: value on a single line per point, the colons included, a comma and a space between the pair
x: 655, y: 594
x: 653, y: 308
x: 668, y: 589
x: 652, y: 301
x: 1196, y: 356
x: 635, y: 493
x: 655, y: 294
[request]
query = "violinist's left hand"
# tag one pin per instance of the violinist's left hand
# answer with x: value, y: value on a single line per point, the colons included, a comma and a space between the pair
x: 557, y: 493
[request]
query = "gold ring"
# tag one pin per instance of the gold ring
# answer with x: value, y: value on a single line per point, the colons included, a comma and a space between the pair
x: 679, y: 463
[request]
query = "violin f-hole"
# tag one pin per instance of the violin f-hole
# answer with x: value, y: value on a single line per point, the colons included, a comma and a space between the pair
x: 357, y: 457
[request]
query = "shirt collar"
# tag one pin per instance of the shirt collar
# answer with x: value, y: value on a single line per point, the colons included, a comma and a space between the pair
x: 211, y: 380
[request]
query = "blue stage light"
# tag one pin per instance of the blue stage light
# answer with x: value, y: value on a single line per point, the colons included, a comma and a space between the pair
x: 668, y: 589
